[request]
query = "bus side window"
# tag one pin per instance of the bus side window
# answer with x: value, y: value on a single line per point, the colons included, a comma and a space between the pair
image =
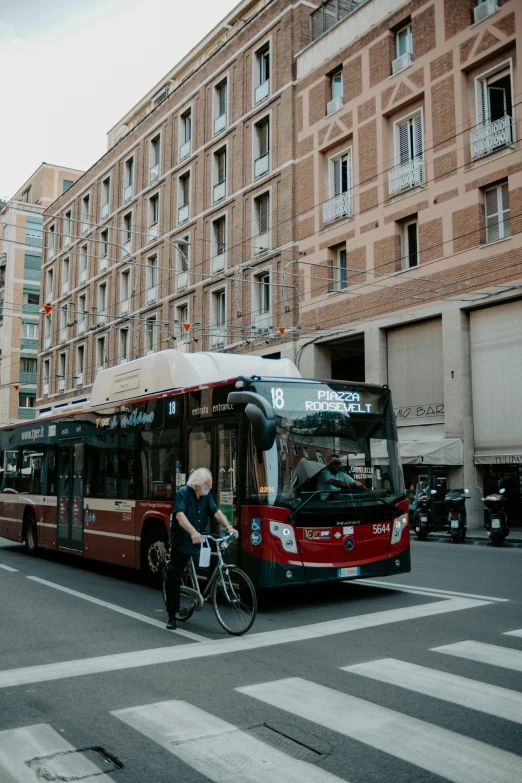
x: 30, y: 479
x: 50, y: 485
x: 10, y: 475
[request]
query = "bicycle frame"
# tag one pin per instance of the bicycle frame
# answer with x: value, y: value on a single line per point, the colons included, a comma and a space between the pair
x: 197, y: 595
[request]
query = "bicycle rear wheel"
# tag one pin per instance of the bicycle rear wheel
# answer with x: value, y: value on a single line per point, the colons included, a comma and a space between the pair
x: 187, y: 604
x: 234, y: 600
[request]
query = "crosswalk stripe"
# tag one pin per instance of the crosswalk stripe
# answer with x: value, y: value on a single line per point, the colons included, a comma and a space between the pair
x: 484, y: 653
x: 35, y: 753
x: 217, y: 749
x: 442, y: 752
x: 500, y: 702
x: 518, y: 632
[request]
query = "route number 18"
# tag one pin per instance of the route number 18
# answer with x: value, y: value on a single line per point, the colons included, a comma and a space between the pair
x: 278, y: 400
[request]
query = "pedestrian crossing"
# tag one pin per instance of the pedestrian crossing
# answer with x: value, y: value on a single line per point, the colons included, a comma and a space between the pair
x: 202, y: 743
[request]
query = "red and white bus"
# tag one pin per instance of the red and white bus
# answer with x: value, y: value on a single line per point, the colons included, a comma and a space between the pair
x: 97, y: 479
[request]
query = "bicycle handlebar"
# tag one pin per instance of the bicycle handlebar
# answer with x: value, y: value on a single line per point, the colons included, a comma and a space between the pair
x: 223, y: 541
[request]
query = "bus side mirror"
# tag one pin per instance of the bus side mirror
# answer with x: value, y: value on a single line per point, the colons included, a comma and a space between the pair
x: 261, y: 416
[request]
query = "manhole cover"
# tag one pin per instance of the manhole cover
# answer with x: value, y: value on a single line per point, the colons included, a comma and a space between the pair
x: 70, y: 766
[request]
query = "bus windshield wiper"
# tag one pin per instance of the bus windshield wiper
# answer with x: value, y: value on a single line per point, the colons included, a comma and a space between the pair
x: 304, y: 503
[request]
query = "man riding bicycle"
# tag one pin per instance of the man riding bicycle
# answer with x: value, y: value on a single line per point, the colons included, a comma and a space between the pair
x: 192, y: 508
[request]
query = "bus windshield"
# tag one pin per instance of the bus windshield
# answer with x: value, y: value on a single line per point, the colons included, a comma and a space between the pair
x: 335, y: 444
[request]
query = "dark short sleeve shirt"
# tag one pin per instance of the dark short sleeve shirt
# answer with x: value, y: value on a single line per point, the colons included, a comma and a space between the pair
x: 197, y: 510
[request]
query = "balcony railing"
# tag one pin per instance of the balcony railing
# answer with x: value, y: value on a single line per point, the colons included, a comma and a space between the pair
x: 184, y: 150
x: 407, y: 175
x: 261, y: 243
x: 261, y: 165
x: 128, y: 193
x: 154, y: 173
x: 217, y: 263
x: 262, y: 321
x: 28, y: 378
x: 182, y: 279
x: 491, y: 137
x: 26, y: 413
x: 220, y: 123
x: 104, y: 210
x: 183, y: 213
x: 30, y: 309
x: 262, y: 91
x: 329, y: 13
x: 338, y: 207
x: 220, y: 190
x: 29, y: 344
x: 218, y: 337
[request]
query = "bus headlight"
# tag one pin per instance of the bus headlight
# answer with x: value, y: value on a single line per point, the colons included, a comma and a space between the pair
x: 399, y: 523
x: 286, y: 534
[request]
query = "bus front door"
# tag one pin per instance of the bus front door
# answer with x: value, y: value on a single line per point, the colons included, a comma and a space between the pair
x: 71, y: 456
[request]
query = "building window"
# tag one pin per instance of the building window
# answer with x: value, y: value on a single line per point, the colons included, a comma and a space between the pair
x: 151, y: 278
x: 67, y: 226
x: 83, y: 263
x: 185, y: 134
x: 495, y: 125
x: 220, y: 106
x: 261, y: 300
x: 261, y: 241
x: 219, y: 318
x: 182, y: 317
x: 46, y: 375
x: 340, y: 203
x: 26, y: 195
x: 81, y: 315
x: 127, y: 231
x: 102, y: 303
x: 104, y: 245
x: 409, y: 169
x: 403, y: 49
x: 51, y: 241
x: 28, y: 365
x: 183, y: 262
x: 184, y: 197
x: 340, y: 273
x: 26, y: 401
x: 128, y: 180
x: 66, y: 184
x: 262, y: 147
x: 497, y: 213
x: 219, y: 238
x: 124, y: 345
x: 65, y: 275
x: 153, y: 229
x: 33, y: 231
x: 31, y: 298
x: 262, y: 73
x: 154, y: 158
x: 151, y: 335
x: 220, y: 175
x: 63, y: 322
x: 336, y: 101
x: 29, y: 330
x: 62, y: 371
x: 100, y: 354
x: 105, y: 197
x: 125, y: 291
x: 48, y: 330
x: 80, y: 364
x: 409, y: 240
x: 86, y: 213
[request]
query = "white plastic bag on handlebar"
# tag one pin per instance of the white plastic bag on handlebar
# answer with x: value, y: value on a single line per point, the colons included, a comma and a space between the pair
x: 204, y: 553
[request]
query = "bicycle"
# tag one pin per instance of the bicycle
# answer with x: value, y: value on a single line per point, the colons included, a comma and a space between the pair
x: 231, y: 591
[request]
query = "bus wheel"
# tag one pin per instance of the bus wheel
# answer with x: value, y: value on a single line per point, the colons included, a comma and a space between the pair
x: 153, y: 555
x: 31, y: 534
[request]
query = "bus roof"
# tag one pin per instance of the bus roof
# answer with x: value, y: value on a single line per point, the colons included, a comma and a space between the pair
x: 171, y: 369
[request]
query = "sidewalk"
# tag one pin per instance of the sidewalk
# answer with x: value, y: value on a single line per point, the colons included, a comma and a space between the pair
x: 477, y: 535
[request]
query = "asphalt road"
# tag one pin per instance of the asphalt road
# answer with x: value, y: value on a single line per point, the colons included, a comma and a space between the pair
x: 411, y: 679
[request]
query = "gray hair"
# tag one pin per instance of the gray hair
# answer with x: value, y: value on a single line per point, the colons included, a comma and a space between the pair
x: 199, y: 477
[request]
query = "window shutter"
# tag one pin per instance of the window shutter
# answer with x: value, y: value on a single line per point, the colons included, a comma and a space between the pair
x: 220, y: 236
x: 222, y: 165
x: 263, y: 213
x: 263, y: 137
x: 347, y: 163
x: 404, y: 142
x: 505, y: 210
x: 492, y: 215
x: 337, y: 177
x: 222, y: 99
x: 483, y: 109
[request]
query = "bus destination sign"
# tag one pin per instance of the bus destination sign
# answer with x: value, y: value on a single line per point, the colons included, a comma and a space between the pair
x: 321, y: 400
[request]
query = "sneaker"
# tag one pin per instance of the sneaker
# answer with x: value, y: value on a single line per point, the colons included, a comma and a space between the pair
x: 172, y: 625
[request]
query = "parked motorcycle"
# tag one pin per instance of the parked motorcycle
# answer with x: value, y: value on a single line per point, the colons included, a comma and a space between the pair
x: 496, y: 521
x: 423, y: 517
x: 457, y: 518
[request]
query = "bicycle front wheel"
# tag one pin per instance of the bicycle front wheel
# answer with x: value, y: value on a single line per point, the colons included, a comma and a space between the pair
x: 234, y: 600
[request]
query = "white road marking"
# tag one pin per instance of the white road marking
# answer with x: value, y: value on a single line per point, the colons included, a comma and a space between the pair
x: 217, y: 749
x: 484, y: 653
x: 8, y: 568
x: 138, y: 658
x: 500, y: 702
x: 113, y: 607
x: 442, y: 752
x: 36, y: 753
x: 518, y: 632
x: 428, y: 590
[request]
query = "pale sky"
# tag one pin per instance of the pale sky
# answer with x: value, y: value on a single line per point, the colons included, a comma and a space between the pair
x: 70, y: 69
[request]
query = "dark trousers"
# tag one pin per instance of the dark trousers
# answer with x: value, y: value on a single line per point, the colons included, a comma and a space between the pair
x: 176, y: 566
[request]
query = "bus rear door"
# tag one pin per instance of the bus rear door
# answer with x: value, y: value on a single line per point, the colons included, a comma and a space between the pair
x: 71, y: 456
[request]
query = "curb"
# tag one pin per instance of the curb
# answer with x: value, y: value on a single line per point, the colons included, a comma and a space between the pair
x: 511, y: 543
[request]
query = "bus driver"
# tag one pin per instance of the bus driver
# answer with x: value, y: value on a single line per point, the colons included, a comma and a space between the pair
x: 332, y: 478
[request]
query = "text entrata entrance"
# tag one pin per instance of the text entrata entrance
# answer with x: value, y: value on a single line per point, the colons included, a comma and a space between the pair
x: 71, y: 460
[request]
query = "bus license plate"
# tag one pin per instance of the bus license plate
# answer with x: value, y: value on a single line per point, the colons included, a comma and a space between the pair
x: 424, y: 519
x: 354, y: 571
x: 495, y: 523
x: 454, y: 524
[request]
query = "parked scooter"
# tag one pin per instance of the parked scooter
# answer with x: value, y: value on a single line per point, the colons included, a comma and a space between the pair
x: 496, y: 522
x: 423, y: 517
x: 457, y: 518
